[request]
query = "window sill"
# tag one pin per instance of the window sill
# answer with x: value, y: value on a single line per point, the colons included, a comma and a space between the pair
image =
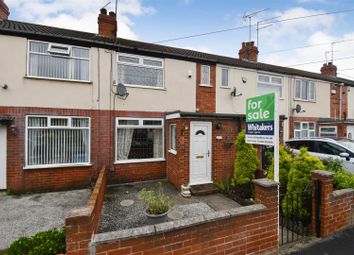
x: 303, y: 100
x: 206, y: 85
x: 224, y: 87
x: 145, y: 87
x: 56, y: 79
x: 174, y: 152
x: 130, y: 161
x: 57, y: 166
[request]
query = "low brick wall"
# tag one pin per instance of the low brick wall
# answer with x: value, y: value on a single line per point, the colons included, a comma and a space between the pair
x: 245, y: 230
x: 336, y: 208
x: 82, y: 223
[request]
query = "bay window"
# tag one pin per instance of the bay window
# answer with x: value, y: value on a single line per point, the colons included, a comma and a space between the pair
x: 58, y: 61
x: 134, y: 70
x: 57, y: 140
x: 139, y: 139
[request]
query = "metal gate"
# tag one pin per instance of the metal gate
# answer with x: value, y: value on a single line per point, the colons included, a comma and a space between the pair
x: 295, y: 212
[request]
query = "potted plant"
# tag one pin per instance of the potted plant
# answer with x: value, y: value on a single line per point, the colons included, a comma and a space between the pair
x: 157, y: 204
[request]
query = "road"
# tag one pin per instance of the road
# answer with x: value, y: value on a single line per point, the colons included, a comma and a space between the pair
x: 339, y: 244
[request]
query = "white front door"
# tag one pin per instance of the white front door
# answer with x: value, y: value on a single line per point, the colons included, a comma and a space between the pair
x: 3, y: 149
x: 200, y: 153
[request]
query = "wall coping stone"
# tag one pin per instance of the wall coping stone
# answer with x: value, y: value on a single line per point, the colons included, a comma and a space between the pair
x: 265, y: 182
x: 126, y: 234
x: 322, y: 173
x: 342, y: 192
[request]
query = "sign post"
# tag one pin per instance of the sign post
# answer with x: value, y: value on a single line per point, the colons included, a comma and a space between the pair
x: 262, y: 126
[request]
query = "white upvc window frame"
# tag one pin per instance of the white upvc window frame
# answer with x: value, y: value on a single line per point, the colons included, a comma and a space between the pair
x: 141, y: 64
x: 335, y: 133
x: 228, y: 77
x: 302, y: 123
x: 49, y: 126
x: 208, y: 84
x: 310, y: 83
x: 140, y: 125
x: 53, y: 52
x: 271, y: 83
x: 173, y: 139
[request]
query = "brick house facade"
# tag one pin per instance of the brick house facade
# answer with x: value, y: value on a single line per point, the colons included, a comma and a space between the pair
x: 175, y: 89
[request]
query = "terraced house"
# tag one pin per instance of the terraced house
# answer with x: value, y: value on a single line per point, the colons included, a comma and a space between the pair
x: 63, y: 114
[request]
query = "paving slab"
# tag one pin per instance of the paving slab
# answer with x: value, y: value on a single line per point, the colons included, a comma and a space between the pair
x: 25, y: 215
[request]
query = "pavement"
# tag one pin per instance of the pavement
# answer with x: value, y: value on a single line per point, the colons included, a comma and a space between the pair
x: 25, y: 215
x: 341, y: 243
x: 123, y: 208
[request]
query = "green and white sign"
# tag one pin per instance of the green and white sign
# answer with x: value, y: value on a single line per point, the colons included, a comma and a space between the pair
x: 260, y: 119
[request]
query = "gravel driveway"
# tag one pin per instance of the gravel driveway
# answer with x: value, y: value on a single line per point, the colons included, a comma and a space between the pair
x: 25, y: 215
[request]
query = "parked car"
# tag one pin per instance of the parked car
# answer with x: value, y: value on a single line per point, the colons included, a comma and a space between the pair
x: 339, y: 148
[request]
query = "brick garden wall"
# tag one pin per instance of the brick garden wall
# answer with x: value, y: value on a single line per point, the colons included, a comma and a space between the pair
x: 82, y: 223
x: 337, y: 207
x: 244, y: 230
x: 102, y: 153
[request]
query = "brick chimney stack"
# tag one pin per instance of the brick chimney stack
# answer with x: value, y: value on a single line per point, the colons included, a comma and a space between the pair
x: 4, y: 10
x: 329, y: 69
x: 248, y: 52
x: 107, y: 24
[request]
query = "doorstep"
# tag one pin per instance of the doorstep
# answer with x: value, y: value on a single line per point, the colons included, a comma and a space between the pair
x: 203, y: 189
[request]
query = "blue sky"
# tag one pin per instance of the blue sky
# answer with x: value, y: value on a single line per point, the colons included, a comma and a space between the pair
x: 155, y: 20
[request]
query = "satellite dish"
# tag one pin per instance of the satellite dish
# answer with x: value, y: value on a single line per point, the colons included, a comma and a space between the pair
x: 297, y: 108
x: 122, y: 90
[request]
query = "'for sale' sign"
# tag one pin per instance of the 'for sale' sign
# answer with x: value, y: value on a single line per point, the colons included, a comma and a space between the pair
x: 260, y: 119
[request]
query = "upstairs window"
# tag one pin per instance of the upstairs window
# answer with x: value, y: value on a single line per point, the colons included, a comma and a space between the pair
x: 305, y: 90
x: 224, y: 77
x: 57, y: 140
x: 205, y: 75
x: 142, y: 71
x: 58, y: 61
x: 268, y: 84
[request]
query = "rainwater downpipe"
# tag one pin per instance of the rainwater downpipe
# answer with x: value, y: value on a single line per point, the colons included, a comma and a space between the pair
x: 340, y: 99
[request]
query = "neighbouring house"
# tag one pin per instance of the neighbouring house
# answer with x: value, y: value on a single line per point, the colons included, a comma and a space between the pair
x: 61, y: 118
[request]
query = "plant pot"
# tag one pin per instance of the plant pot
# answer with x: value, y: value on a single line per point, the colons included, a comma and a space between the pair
x: 156, y: 218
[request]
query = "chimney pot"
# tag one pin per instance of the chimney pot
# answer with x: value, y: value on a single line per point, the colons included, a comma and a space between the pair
x: 112, y: 14
x: 103, y: 11
x: 248, y: 51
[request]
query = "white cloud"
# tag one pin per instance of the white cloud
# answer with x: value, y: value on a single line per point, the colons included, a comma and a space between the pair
x: 78, y: 14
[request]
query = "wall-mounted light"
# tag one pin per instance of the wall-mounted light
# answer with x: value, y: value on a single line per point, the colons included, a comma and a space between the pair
x: 5, y: 86
x: 189, y: 74
x: 244, y: 79
x: 218, y: 125
x: 13, y: 129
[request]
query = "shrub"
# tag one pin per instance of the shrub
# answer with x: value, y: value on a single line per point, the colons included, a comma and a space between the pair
x: 246, y: 162
x: 43, y: 243
x: 299, y: 180
x: 285, y: 161
x: 341, y: 178
x: 224, y: 186
x: 155, y: 199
